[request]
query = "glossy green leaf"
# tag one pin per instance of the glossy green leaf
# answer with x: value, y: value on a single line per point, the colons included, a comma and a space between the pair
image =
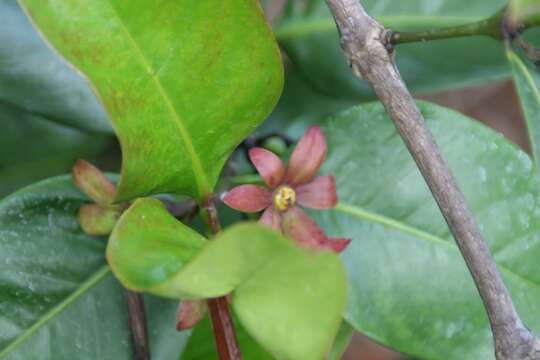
x: 409, y: 287
x: 58, y: 298
x: 308, y: 34
x: 34, y: 79
x: 199, y: 348
x: 293, y: 303
x: 148, y: 246
x: 33, y: 148
x: 288, y: 298
x: 527, y: 83
x: 183, y: 82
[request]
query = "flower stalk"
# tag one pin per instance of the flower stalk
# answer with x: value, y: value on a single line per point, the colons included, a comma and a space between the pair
x: 220, y: 315
x: 137, y: 324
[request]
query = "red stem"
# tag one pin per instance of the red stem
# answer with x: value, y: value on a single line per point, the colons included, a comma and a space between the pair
x: 137, y: 323
x: 222, y: 324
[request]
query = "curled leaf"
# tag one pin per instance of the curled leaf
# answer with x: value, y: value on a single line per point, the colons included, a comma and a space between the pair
x: 290, y: 299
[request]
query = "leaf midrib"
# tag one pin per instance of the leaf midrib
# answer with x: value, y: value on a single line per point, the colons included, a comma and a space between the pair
x: 203, y: 186
x: 92, y: 281
x: 364, y: 214
x: 298, y: 28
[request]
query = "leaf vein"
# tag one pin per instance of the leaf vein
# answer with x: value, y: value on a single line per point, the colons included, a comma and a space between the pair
x: 364, y: 214
x: 48, y: 316
x: 202, y: 182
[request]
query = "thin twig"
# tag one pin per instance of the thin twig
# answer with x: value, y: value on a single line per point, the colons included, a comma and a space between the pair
x: 531, y: 21
x: 364, y: 42
x: 512, y: 34
x: 489, y: 27
x: 531, y: 52
x: 137, y: 323
x: 222, y: 324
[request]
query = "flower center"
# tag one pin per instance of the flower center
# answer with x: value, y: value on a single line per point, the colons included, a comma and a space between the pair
x: 284, y: 198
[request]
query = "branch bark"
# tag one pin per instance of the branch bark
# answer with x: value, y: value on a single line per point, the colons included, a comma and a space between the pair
x: 366, y: 46
x: 222, y: 324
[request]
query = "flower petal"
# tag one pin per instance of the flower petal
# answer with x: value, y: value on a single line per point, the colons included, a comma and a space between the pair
x: 189, y: 313
x: 307, y: 157
x: 269, y: 166
x: 248, y: 198
x: 298, y: 226
x: 337, y: 245
x: 271, y: 218
x: 318, y: 194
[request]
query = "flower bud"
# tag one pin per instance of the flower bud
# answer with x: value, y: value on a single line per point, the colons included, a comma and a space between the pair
x: 91, y: 181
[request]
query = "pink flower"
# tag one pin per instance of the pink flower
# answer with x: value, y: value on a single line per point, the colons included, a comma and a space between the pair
x: 290, y: 187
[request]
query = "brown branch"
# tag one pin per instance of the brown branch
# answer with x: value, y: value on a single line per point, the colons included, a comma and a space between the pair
x: 365, y: 44
x: 222, y: 324
x: 137, y: 324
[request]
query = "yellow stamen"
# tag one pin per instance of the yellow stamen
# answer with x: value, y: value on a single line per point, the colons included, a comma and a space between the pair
x: 284, y: 198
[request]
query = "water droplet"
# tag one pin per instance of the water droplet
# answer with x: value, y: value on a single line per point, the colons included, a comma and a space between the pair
x: 482, y: 174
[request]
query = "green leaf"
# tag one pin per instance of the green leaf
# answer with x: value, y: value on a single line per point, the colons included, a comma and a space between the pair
x: 409, y: 287
x: 288, y: 298
x: 33, y: 148
x: 293, y: 303
x: 183, y: 82
x: 37, y: 82
x: 308, y: 34
x: 144, y: 269
x: 59, y: 299
x: 199, y: 348
x: 527, y: 82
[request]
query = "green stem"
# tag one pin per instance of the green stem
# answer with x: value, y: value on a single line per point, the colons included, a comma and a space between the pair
x: 532, y: 21
x: 490, y: 27
x: 487, y: 27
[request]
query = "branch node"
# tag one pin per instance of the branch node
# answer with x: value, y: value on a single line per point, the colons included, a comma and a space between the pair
x: 389, y: 40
